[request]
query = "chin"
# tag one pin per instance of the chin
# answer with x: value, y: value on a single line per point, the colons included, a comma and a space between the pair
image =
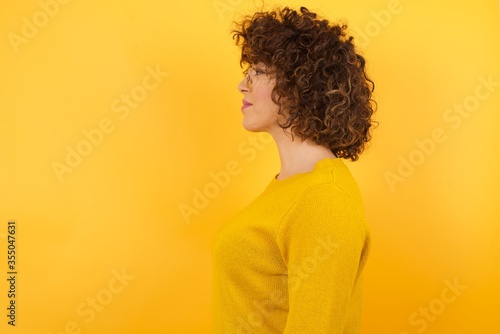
x: 250, y: 127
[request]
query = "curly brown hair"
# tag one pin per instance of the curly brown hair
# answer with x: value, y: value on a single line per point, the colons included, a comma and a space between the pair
x: 321, y: 80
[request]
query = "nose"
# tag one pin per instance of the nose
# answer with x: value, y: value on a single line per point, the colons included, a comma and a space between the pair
x: 243, y: 85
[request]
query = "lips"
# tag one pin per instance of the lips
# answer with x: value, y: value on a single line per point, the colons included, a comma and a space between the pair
x: 246, y: 104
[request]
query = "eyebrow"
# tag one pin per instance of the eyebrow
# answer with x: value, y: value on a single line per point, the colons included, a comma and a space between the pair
x: 263, y: 69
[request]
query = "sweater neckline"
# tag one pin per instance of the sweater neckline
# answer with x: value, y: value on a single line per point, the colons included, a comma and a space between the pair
x: 319, y: 165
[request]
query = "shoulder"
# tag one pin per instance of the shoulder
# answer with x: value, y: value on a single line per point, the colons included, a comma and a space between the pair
x: 339, y: 191
x: 325, y: 210
x: 327, y: 205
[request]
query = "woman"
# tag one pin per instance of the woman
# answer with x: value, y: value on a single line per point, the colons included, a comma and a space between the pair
x: 292, y: 260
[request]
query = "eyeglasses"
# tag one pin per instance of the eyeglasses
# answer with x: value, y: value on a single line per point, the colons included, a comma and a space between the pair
x: 252, y: 73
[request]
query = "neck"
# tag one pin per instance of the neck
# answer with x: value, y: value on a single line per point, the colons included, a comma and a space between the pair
x: 298, y: 156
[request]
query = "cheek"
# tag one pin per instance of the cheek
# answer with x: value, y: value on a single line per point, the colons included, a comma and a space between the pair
x: 263, y: 95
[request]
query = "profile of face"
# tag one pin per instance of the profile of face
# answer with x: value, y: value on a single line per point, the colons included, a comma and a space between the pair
x: 259, y: 111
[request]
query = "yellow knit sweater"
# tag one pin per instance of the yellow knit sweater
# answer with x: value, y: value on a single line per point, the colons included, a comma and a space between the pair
x: 291, y: 262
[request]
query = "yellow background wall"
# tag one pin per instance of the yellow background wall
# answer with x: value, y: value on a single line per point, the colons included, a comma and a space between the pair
x: 116, y: 117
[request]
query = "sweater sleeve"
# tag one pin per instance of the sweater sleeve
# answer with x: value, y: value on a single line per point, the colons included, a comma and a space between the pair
x: 323, y: 240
